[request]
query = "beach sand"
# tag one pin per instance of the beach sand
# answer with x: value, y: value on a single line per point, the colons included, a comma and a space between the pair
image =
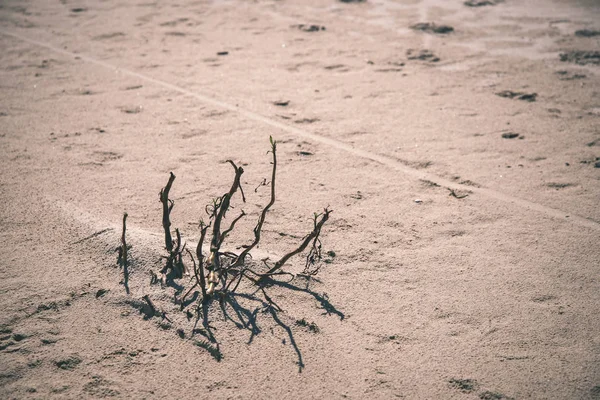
x: 462, y: 166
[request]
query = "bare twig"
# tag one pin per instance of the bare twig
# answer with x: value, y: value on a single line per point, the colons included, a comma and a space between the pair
x: 199, y: 273
x: 150, y: 304
x: 167, y: 207
x: 261, y: 220
x: 313, y: 236
x: 123, y: 255
x: 124, y: 242
x: 226, y: 232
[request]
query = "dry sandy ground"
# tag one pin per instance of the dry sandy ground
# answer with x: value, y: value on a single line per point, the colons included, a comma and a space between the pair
x: 429, y: 296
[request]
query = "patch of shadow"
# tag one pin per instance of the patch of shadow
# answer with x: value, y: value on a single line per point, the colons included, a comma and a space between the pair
x: 581, y: 57
x: 86, y: 92
x: 428, y: 183
x: 222, y: 53
x: 510, y: 135
x: 99, y: 387
x: 132, y: 110
x: 17, y: 337
x: 7, y: 377
x: 566, y: 76
x: 557, y: 186
x: 464, y: 385
x: 481, y: 3
x: 304, y: 153
x: 215, y: 113
x: 391, y: 69
x: 103, y: 156
x: 213, y: 350
x: 595, y: 392
x: 78, y: 9
x: 194, y: 133
x: 311, y: 326
x: 468, y: 182
x: 489, y: 395
x: 281, y: 103
x: 309, y: 28
x: 509, y: 94
x: 587, y: 33
x: 107, y: 36
x: 69, y: 363
x: 431, y: 27
x: 6, y: 345
x: 421, y: 164
x: 175, y: 33
x: 423, y: 55
x: 306, y: 120
x: 543, y: 298
x: 134, y: 87
x: 144, y: 308
x: 174, y: 22
x: 339, y: 67
x: 60, y: 389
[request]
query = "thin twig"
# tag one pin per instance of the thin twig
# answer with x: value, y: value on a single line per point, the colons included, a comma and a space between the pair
x: 199, y: 273
x: 225, y: 232
x: 167, y: 207
x: 261, y: 220
x: 123, y: 254
x: 310, y: 237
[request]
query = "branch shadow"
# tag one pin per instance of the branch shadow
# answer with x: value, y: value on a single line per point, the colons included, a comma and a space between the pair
x: 246, y: 317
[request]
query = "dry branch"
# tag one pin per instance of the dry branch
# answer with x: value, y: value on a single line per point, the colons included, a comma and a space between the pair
x: 313, y: 236
x: 263, y: 215
x: 167, y: 207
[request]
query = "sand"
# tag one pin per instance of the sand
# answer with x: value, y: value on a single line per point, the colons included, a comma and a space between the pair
x: 462, y: 166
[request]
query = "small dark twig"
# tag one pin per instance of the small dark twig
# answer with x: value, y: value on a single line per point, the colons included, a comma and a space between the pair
x: 226, y: 232
x: 150, y: 304
x: 453, y: 194
x: 261, y: 220
x: 199, y: 273
x: 123, y: 255
x: 167, y: 207
x: 318, y: 224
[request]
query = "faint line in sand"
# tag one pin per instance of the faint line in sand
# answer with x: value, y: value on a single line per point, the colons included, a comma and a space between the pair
x: 387, y: 161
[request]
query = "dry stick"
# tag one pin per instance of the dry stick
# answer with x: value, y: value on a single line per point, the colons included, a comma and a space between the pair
x: 150, y: 304
x: 311, y: 236
x: 164, y: 199
x: 176, y: 260
x: 199, y: 273
x: 124, y: 255
x: 197, y: 280
x: 224, y: 206
x: 214, y: 262
x: 261, y: 220
x: 225, y: 232
x: 124, y: 243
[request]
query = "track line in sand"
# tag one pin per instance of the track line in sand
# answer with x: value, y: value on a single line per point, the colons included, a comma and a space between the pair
x: 365, y: 154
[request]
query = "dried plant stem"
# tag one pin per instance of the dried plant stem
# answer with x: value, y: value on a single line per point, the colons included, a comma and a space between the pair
x: 261, y: 220
x: 124, y: 242
x: 199, y: 273
x: 313, y: 236
x: 167, y: 207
